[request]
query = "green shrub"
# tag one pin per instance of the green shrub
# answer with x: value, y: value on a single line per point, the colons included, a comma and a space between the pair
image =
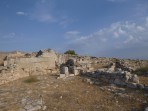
x: 31, y: 79
x: 72, y: 52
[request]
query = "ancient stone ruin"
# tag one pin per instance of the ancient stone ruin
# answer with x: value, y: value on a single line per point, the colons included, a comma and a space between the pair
x: 109, y: 70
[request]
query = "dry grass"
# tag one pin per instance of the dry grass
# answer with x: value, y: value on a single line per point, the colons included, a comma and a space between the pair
x: 143, y: 80
x: 31, y: 79
x: 142, y: 71
x: 73, y: 94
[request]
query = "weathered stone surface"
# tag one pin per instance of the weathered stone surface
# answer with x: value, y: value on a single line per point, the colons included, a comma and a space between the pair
x: 146, y: 109
x: 71, y: 74
x: 132, y: 85
x: 135, y: 79
x: 119, y: 82
x: 140, y: 86
x: 44, y: 108
x: 62, y: 75
x: 21, y: 109
x: 146, y: 88
x: 35, y: 108
x: 76, y: 72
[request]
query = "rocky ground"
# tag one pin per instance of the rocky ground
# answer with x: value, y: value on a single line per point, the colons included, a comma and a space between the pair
x: 47, y: 93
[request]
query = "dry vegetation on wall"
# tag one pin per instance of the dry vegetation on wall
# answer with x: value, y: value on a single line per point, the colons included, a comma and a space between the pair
x: 142, y: 70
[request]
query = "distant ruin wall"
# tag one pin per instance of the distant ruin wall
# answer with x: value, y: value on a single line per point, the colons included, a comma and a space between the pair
x: 47, y: 63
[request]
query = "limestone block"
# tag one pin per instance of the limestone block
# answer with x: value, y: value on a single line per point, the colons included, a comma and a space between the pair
x: 11, y: 71
x: 27, y: 70
x: 76, y: 72
x: 91, y: 68
x: 83, y: 65
x: 54, y: 71
x: 79, y: 68
x: 88, y: 65
x: 62, y: 75
x: 49, y: 71
x: 146, y: 109
x: 5, y: 63
x: 71, y: 75
x: 135, y: 79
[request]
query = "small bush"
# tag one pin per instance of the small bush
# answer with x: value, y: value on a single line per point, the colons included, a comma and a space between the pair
x: 72, y: 52
x: 31, y: 79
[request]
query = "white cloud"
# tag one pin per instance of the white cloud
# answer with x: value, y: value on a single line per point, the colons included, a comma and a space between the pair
x: 116, y: 0
x: 126, y: 36
x: 21, y: 13
x: 43, y: 17
x: 43, y: 11
x: 65, y: 21
x: 9, y: 36
x: 72, y: 34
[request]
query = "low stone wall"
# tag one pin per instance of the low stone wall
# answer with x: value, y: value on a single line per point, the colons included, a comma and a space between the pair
x: 116, y: 78
x: 121, y: 79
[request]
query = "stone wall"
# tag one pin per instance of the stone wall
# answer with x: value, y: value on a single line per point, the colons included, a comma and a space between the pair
x: 18, y: 67
x: 22, y: 67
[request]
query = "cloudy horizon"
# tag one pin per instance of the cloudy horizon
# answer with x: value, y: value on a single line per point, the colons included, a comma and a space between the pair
x: 102, y: 28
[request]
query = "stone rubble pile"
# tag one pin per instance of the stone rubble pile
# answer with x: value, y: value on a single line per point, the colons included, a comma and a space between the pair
x: 29, y: 104
x: 121, y: 78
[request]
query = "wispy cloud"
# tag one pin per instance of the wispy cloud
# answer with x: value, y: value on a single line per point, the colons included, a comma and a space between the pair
x: 126, y: 36
x: 72, y: 34
x: 9, y: 36
x: 21, y: 13
x: 43, y: 11
x: 64, y: 21
x: 116, y: 0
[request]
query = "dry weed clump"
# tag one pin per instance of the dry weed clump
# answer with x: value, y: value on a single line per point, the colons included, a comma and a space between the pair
x: 31, y: 79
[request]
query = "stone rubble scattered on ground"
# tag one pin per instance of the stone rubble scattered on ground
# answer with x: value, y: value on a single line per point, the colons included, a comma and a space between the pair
x: 117, y: 72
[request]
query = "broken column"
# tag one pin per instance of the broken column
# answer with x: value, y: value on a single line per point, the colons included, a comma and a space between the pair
x: 64, y: 72
x: 76, y: 72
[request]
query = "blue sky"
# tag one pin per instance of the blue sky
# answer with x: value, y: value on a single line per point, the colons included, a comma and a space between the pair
x: 110, y: 28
